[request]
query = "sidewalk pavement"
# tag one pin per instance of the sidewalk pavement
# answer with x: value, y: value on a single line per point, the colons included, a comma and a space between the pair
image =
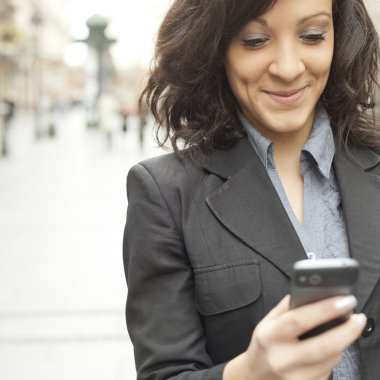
x: 62, y: 285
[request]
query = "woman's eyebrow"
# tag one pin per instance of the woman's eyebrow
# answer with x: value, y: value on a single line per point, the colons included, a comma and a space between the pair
x: 306, y: 18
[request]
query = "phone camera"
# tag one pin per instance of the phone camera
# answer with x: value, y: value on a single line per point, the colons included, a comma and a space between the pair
x: 315, y: 279
x: 302, y: 279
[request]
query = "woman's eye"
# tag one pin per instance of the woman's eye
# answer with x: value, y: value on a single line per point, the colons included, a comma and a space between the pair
x: 313, y: 37
x: 254, y: 42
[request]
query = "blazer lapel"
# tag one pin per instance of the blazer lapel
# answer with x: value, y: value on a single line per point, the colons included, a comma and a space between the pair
x: 360, y: 194
x: 248, y: 205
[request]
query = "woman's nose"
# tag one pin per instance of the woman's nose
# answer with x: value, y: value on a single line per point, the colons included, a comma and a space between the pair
x: 287, y: 64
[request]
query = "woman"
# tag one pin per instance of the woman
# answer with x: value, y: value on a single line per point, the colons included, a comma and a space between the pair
x: 271, y: 102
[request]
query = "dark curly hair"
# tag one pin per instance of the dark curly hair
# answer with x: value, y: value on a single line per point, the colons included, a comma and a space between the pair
x: 191, y: 100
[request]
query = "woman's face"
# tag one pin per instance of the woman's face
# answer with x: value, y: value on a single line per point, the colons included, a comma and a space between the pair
x: 279, y: 63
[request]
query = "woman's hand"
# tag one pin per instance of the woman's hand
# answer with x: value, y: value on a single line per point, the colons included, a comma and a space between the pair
x: 275, y: 352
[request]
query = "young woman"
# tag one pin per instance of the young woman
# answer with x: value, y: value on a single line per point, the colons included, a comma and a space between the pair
x: 272, y: 105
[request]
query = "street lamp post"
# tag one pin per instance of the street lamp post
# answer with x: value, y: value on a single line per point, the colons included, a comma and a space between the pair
x: 98, y: 41
x: 37, y: 21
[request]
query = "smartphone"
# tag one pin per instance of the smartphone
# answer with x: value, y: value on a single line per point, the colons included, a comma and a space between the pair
x: 314, y: 280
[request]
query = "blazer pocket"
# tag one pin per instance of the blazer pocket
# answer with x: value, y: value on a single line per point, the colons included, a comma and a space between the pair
x: 226, y: 287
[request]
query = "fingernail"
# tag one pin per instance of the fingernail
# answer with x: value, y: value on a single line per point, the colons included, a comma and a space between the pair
x: 361, y: 319
x: 344, y: 303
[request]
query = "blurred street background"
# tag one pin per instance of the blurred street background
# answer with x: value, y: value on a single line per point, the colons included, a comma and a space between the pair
x: 70, y: 75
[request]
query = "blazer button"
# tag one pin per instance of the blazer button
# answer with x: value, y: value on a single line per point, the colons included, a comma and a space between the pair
x: 369, y: 328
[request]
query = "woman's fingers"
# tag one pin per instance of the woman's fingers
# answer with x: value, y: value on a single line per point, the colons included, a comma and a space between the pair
x: 303, y: 319
x: 311, y: 358
x: 276, y: 352
x: 319, y: 350
x: 332, y: 342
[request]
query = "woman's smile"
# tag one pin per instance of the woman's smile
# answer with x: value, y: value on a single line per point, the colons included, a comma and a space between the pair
x: 287, y: 97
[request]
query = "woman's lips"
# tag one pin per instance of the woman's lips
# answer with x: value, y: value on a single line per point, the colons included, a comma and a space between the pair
x: 287, y: 97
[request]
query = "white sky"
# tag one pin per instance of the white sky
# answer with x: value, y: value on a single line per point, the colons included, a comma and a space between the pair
x: 133, y: 22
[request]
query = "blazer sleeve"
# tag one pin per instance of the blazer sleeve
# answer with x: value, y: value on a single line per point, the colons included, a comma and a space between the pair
x: 163, y: 323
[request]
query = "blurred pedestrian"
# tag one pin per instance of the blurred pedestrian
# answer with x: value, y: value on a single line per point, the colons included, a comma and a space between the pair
x: 124, y: 125
x: 143, y: 114
x: 7, y: 112
x: 109, y: 116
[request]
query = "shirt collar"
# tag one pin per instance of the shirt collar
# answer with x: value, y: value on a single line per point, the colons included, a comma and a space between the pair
x: 320, y: 144
x: 262, y: 146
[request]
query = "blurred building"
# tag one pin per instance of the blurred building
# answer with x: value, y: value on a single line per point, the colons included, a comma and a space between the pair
x: 33, y: 37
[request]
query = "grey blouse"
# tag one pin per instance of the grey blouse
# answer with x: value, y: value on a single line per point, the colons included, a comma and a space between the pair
x: 323, y: 232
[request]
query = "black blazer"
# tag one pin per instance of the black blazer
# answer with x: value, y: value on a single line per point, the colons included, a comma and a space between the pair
x: 208, y: 251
